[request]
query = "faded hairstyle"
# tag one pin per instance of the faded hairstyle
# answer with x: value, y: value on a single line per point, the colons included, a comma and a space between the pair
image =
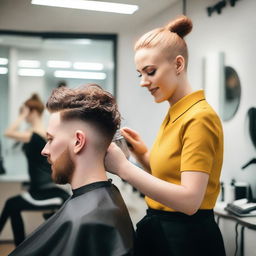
x: 88, y: 103
x: 168, y: 38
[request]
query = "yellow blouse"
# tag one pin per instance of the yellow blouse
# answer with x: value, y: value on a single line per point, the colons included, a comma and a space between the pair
x: 190, y: 139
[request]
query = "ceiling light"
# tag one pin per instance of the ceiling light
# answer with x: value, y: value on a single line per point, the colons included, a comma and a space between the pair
x: 30, y: 72
x: 83, y: 41
x: 3, y: 61
x: 80, y: 75
x: 88, y: 65
x: 3, y: 71
x: 29, y: 63
x: 90, y: 5
x: 58, y: 64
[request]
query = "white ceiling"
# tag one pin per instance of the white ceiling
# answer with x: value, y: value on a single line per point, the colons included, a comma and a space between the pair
x: 21, y: 15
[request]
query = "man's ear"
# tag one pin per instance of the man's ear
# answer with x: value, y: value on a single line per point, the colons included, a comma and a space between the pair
x: 80, y: 141
x: 180, y: 64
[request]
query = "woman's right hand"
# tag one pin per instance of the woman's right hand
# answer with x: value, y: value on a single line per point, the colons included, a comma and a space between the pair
x: 137, y: 146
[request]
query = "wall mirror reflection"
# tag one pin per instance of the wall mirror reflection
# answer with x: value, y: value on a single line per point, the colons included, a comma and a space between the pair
x: 37, y: 63
x: 231, y: 93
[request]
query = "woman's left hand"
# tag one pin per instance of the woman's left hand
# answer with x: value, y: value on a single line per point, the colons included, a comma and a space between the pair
x: 24, y: 111
x: 114, y: 159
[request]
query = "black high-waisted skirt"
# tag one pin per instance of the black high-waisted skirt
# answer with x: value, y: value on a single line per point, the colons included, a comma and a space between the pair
x: 162, y: 233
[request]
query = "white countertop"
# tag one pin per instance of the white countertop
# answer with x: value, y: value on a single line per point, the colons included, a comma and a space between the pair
x: 249, y: 222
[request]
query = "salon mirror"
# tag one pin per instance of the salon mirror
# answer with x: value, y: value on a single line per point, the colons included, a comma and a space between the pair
x: 231, y: 93
x: 39, y: 62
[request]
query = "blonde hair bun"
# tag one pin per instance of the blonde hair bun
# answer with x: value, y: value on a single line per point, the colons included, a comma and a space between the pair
x: 182, y: 26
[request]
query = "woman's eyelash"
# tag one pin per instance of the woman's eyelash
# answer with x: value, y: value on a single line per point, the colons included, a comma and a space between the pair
x: 152, y: 72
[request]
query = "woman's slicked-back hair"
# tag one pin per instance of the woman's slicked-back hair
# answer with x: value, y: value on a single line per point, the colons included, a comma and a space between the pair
x: 89, y: 103
x: 168, y: 38
x: 35, y: 103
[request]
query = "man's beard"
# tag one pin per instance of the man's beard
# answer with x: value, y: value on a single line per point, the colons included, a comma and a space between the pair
x: 63, y: 168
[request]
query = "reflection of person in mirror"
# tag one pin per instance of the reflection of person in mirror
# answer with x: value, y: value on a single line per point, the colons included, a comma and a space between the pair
x: 232, y: 92
x: 232, y: 86
x: 181, y: 173
x: 42, y: 191
x: 95, y: 220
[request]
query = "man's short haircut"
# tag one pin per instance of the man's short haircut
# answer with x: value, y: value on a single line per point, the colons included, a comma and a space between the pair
x: 89, y: 103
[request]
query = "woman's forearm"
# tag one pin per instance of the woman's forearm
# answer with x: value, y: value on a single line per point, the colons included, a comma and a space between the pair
x: 14, y: 126
x: 13, y: 131
x: 183, y: 198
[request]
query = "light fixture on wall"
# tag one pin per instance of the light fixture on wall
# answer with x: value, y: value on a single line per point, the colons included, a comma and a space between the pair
x: 216, y: 8
x: 3, y: 61
x: 29, y: 63
x: 31, y: 72
x: 90, y: 5
x: 58, y: 64
x: 233, y: 2
x: 88, y: 65
x: 3, y: 70
x: 80, y: 75
x: 219, y: 6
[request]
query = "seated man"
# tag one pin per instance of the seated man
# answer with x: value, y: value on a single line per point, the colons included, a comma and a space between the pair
x: 94, y: 220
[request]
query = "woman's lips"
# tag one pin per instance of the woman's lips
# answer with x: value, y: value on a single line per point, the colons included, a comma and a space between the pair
x: 153, y: 90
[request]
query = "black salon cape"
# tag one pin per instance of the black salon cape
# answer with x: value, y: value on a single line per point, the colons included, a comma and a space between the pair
x: 93, y: 222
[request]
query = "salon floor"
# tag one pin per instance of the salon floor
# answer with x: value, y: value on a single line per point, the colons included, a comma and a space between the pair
x: 6, y: 248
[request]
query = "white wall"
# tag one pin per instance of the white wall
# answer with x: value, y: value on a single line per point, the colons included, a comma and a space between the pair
x: 231, y: 33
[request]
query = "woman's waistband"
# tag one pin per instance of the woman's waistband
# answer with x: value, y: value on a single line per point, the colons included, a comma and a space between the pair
x: 200, y: 214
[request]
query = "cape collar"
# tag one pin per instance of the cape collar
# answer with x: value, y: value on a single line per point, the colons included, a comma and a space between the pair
x: 86, y: 188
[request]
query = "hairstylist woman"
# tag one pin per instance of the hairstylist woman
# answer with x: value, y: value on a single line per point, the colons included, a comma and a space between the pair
x: 181, y: 172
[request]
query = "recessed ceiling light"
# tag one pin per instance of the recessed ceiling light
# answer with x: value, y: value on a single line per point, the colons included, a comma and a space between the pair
x: 30, y: 72
x: 29, y: 63
x: 90, y: 5
x: 80, y: 75
x: 58, y: 64
x: 3, y: 61
x: 88, y: 65
x: 83, y: 41
x: 80, y: 41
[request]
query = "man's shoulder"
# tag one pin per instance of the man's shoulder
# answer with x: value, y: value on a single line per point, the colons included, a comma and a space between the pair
x: 97, y: 200
x: 101, y: 205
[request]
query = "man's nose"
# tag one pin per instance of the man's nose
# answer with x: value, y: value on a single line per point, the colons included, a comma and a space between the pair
x: 45, y: 151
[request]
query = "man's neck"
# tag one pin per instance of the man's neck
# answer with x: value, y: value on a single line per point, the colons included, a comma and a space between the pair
x: 88, y: 172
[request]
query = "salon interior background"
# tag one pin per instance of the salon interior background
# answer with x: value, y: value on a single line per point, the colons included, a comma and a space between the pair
x: 230, y: 33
